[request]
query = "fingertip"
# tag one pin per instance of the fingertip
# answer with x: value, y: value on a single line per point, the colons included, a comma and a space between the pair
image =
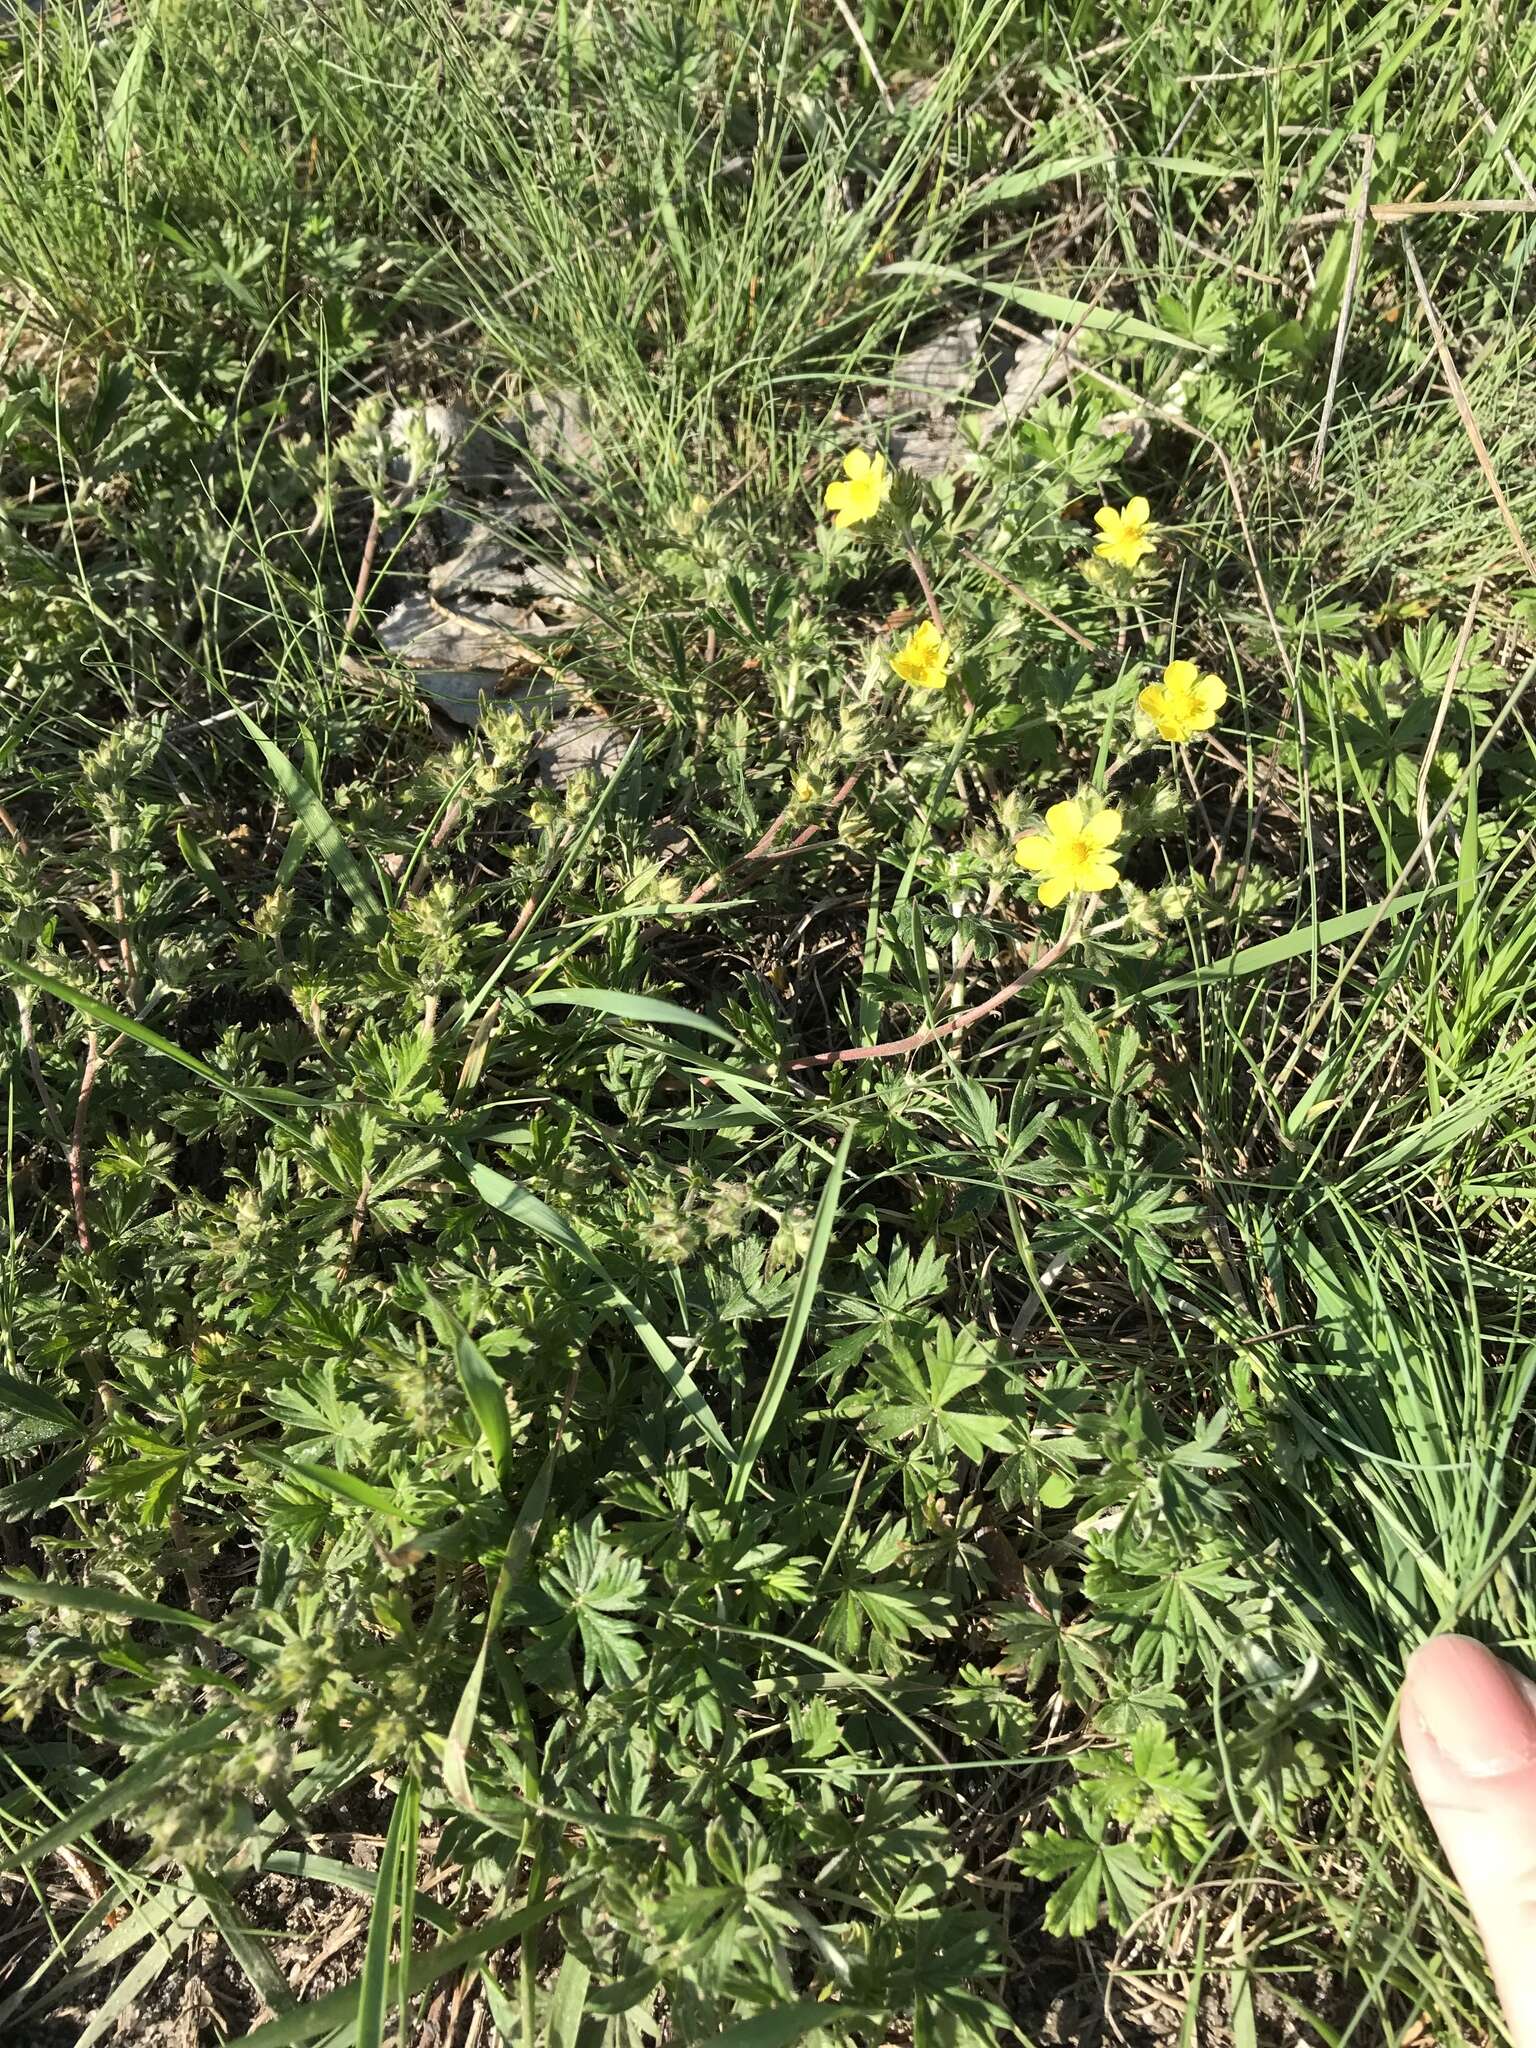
x: 1465, y: 1706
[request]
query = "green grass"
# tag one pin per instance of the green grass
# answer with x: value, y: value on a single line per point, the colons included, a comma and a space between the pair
x: 771, y: 1551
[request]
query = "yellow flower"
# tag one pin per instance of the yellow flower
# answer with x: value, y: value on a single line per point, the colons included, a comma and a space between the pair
x: 1184, y: 702
x: 861, y: 490
x: 1126, y: 534
x: 806, y: 788
x: 924, y: 661
x: 1072, y: 853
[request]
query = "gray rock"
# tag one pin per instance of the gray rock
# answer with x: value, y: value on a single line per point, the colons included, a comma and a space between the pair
x: 492, y: 564
x: 943, y: 371
x: 556, y: 427
x: 460, y: 694
x: 959, y: 389
x: 1039, y: 366
x: 572, y: 744
x: 469, y: 633
x: 450, y: 425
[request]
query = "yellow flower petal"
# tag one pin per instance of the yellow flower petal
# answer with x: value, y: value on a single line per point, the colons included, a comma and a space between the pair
x: 1065, y: 820
x: 1053, y: 892
x: 857, y: 465
x: 1096, y: 876
x: 924, y: 660
x: 1102, y: 830
x: 837, y: 495
x: 1211, y: 694
x: 1107, y: 519
x: 1138, y: 512
x: 1035, y: 851
x: 1181, y: 675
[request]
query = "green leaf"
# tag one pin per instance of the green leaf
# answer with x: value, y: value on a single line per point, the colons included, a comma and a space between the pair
x: 305, y: 803
x: 373, y: 1986
x: 793, y: 1333
x: 1090, y: 1876
x: 482, y: 1384
x: 21, y: 1397
x: 633, y: 1009
x: 1057, y: 1491
x: 339, y: 2007
x: 520, y: 1206
x: 1063, y: 312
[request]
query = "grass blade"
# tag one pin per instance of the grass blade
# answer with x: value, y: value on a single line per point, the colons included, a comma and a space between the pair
x: 97, y: 1600
x: 325, y: 1479
x: 373, y: 1997
x: 1052, y: 306
x: 632, y: 1009
x: 517, y: 1204
x: 795, y: 1324
x: 124, y: 1790
x: 309, y: 808
x: 1332, y: 931
x: 483, y: 1386
x: 568, y: 2004
x: 243, y: 1943
x: 106, y: 1018
x: 780, y: 2027
x: 470, y: 1948
x: 519, y: 1548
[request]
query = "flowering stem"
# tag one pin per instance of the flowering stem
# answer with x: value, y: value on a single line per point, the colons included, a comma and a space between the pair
x: 925, y: 582
x: 764, y: 848
x: 1017, y: 590
x: 893, y: 1048
x: 364, y: 575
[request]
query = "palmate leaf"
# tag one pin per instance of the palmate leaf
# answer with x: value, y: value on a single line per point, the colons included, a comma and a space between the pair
x: 925, y: 1396
x: 596, y: 1587
x: 1037, y: 1641
x: 890, y: 1615
x: 1093, y: 1877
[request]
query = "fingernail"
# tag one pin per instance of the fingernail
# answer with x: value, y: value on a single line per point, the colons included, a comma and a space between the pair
x: 1476, y: 1711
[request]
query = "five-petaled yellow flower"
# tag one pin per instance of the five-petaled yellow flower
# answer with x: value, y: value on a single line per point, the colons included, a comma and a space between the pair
x: 924, y: 661
x: 1184, y: 702
x: 1072, y: 853
x: 1126, y: 534
x: 861, y: 490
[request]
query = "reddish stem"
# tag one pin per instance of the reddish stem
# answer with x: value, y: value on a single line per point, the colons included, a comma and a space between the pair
x: 893, y: 1048
x: 364, y: 574
x: 920, y: 571
x: 764, y: 847
x: 1017, y: 590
